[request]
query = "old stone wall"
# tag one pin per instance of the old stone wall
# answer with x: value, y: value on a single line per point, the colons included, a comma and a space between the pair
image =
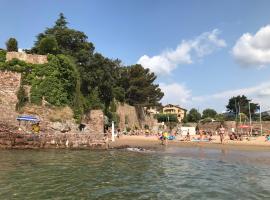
x: 9, y: 85
x: 94, y: 122
x: 53, y: 120
x: 28, y: 58
x: 132, y: 117
x: 127, y: 116
x: 213, y: 126
x: 11, y: 138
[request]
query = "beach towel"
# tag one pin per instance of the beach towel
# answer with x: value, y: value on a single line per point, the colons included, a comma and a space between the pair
x: 198, y: 140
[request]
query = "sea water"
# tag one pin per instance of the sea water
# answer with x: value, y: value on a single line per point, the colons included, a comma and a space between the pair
x: 171, y: 173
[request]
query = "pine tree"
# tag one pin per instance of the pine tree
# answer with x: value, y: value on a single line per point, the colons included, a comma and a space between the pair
x: 61, y: 22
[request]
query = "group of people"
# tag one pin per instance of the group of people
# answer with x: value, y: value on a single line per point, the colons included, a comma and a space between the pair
x: 201, y: 136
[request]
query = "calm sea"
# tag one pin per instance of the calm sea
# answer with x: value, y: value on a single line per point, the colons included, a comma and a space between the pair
x: 172, y: 173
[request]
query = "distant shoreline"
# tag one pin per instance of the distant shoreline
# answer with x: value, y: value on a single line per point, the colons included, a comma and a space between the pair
x: 154, y: 143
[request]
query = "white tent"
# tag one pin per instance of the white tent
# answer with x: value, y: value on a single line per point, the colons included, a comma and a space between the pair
x: 185, y: 130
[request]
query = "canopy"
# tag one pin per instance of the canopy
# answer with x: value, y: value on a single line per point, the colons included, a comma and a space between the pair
x: 28, y: 118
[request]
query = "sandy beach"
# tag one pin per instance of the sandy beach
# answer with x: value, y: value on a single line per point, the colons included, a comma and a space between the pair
x: 152, y: 142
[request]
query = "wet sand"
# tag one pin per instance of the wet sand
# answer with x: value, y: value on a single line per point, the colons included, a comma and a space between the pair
x: 152, y: 142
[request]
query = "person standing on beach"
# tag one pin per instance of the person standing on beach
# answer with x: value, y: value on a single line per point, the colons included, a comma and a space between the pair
x: 221, y: 133
x: 164, y: 138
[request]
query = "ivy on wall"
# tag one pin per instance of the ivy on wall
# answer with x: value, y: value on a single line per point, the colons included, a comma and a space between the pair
x: 56, y: 81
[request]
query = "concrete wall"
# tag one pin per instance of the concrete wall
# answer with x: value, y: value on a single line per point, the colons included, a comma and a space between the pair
x: 28, y: 58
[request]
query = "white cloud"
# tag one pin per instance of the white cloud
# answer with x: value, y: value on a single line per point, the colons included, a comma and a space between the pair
x: 253, y: 50
x: 259, y: 93
x: 184, y: 53
x: 175, y: 93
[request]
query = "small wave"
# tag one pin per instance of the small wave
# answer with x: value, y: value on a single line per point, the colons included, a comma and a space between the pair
x: 137, y: 149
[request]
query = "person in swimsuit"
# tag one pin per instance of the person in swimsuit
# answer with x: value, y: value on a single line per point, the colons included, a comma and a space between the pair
x: 221, y: 133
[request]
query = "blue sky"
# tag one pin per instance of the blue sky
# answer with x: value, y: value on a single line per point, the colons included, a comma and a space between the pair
x: 203, y: 52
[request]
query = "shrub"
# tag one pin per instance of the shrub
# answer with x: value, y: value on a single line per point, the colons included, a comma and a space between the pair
x: 3, y: 54
x: 166, y: 117
x: 22, y: 98
x: 48, y: 45
x: 12, y: 44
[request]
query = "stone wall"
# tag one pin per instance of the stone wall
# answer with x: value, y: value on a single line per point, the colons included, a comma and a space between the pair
x: 11, y: 138
x: 213, y: 126
x: 57, y: 123
x: 130, y: 116
x: 94, y: 122
x: 127, y: 116
x: 9, y: 85
x: 28, y: 58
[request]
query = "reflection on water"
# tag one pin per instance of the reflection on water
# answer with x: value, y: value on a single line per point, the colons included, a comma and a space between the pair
x: 176, y: 173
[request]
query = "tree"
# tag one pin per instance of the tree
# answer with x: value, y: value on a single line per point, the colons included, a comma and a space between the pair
x: 220, y: 117
x: 12, y: 44
x: 47, y: 45
x: 70, y: 42
x: 169, y: 119
x: 61, y: 22
x: 209, y: 113
x: 166, y: 117
x: 102, y: 80
x: 141, y: 88
x: 242, y: 102
x: 193, y: 115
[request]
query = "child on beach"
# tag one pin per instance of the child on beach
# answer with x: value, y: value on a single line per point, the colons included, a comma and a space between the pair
x: 164, y: 139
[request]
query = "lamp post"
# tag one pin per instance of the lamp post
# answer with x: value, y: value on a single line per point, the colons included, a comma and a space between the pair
x: 249, y: 118
x: 261, y: 118
x: 113, y: 139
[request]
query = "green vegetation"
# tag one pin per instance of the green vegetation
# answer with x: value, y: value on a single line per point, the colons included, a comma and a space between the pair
x: 209, y: 113
x: 3, y: 56
x: 242, y: 103
x: 48, y: 45
x: 79, y: 77
x: 22, y: 98
x: 12, y: 44
x: 169, y: 119
x: 193, y: 115
x: 166, y: 117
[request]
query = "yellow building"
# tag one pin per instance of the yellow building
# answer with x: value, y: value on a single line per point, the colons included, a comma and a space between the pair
x: 175, y: 109
x: 151, y: 110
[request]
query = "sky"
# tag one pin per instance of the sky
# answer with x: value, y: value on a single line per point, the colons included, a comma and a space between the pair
x: 203, y: 52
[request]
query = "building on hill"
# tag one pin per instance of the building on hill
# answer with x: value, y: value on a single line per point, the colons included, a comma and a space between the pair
x: 175, y: 109
x: 151, y: 110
